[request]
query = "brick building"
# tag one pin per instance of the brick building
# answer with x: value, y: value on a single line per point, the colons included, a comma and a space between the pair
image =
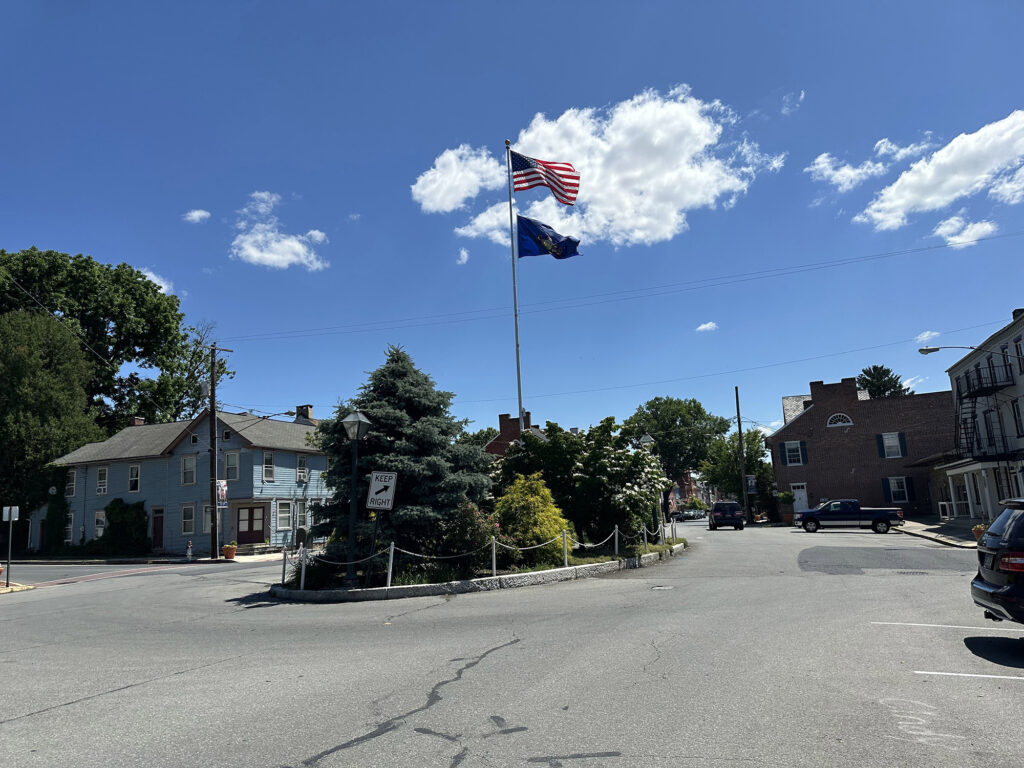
x: 508, y: 433
x: 839, y: 443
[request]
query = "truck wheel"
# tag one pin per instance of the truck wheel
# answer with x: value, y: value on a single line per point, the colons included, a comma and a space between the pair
x: 739, y: 527
x: 811, y: 526
x: 880, y: 526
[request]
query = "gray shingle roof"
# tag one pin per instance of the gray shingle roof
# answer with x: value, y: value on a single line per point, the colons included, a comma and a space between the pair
x: 151, y: 440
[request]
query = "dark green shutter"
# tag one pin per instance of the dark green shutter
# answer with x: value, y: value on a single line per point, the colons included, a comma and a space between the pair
x: 887, y: 490
x: 903, y: 444
x: 803, y: 451
x: 910, y: 487
x: 881, y: 446
x: 782, y: 454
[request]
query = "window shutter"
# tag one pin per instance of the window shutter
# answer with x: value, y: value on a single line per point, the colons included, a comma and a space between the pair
x: 803, y: 451
x: 881, y: 446
x: 782, y: 454
x: 887, y: 490
x: 903, y: 444
x: 910, y: 485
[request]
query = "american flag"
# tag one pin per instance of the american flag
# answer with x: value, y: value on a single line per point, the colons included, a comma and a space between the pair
x: 561, y: 178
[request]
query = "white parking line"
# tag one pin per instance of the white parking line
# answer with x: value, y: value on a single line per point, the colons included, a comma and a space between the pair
x: 965, y: 674
x: 948, y: 626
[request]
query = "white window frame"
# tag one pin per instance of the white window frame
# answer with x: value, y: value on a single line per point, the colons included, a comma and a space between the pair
x: 137, y: 479
x: 1018, y: 418
x: 70, y: 482
x: 891, y: 440
x: 1018, y: 345
x: 227, y: 465
x: 284, y: 512
x: 193, y: 439
x: 902, y: 483
x: 227, y: 434
x: 99, y: 527
x: 794, y: 445
x: 185, y: 460
x: 301, y: 518
x: 207, y: 517
x: 268, y: 464
x: 102, y: 480
x: 190, y: 519
x: 69, y: 527
x: 839, y: 420
x: 301, y: 469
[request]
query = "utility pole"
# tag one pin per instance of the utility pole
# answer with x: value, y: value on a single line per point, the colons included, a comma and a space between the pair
x: 743, y: 474
x: 213, y: 447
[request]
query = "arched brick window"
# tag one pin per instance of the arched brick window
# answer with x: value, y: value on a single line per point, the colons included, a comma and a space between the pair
x: 839, y: 420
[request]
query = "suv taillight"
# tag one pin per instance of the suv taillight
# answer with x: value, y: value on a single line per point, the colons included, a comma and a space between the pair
x: 1012, y: 561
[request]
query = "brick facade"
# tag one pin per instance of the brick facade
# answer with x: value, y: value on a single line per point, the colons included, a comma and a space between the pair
x: 508, y: 433
x: 847, y: 461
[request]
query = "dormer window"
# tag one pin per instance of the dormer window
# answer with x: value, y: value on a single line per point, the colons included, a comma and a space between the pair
x: 839, y: 420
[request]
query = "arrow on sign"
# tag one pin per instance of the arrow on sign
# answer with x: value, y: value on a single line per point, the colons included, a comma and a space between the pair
x: 382, y: 489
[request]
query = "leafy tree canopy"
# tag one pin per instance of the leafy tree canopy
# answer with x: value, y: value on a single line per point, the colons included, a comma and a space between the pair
x: 682, y: 430
x: 721, y: 468
x: 412, y: 433
x: 880, y: 381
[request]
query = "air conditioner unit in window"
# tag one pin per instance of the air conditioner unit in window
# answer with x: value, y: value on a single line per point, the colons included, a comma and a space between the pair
x: 301, y: 475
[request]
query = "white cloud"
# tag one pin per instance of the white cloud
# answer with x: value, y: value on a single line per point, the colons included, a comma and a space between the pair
x: 914, y: 381
x: 1009, y: 188
x: 644, y: 163
x: 967, y: 165
x: 925, y: 336
x: 791, y: 102
x: 196, y: 216
x: 959, y: 233
x: 458, y: 175
x: 355, y: 216
x: 843, y: 177
x: 165, y: 285
x: 886, y: 148
x: 463, y: 256
x: 709, y: 326
x: 260, y: 240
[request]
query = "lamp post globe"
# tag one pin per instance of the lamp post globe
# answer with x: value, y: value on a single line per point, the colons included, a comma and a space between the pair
x: 356, y: 426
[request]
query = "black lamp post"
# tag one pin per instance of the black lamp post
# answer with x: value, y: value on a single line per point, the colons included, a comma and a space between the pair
x: 356, y: 426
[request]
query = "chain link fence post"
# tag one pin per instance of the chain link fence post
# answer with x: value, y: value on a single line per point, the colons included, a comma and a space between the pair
x: 391, y: 562
x: 565, y: 548
x: 494, y: 557
x: 302, y: 566
x: 616, y: 540
x: 284, y: 565
x: 645, y: 538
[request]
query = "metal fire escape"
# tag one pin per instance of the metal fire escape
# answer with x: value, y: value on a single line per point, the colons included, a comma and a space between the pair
x: 978, y: 406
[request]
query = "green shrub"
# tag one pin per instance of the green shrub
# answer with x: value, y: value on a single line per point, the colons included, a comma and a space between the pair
x: 696, y: 503
x: 528, y: 517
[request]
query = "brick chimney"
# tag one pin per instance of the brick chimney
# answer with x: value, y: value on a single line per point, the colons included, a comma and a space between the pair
x: 508, y: 432
x: 304, y: 415
x: 138, y: 421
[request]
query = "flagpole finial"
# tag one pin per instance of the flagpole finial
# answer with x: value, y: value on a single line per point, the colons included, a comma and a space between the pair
x: 507, y: 143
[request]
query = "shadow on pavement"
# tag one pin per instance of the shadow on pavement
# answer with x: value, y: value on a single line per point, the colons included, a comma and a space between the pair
x: 1004, y: 651
x: 255, y: 600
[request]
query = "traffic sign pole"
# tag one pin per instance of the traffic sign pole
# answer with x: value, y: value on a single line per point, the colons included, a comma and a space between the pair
x: 11, y: 514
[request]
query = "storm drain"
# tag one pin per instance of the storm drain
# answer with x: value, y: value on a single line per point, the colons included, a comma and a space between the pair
x: 911, y: 573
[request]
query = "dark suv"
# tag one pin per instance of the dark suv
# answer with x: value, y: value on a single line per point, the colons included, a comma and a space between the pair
x: 999, y: 585
x: 726, y: 513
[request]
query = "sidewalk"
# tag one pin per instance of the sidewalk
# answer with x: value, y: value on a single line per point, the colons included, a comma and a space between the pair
x: 954, y: 533
x: 143, y: 560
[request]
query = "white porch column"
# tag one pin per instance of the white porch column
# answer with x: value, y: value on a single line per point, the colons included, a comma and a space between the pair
x: 969, y: 482
x: 952, y: 494
x: 990, y: 505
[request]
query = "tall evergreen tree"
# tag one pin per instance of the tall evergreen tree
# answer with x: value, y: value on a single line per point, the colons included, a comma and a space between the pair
x: 412, y: 433
x: 880, y: 381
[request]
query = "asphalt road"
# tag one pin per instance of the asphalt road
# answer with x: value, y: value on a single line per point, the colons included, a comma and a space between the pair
x: 762, y: 647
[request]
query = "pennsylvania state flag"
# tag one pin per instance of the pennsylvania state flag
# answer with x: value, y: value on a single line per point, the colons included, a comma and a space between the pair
x: 536, y: 239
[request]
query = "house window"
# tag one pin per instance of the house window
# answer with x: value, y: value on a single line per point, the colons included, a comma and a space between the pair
x: 1018, y: 345
x: 207, y: 517
x: 1018, y: 421
x: 101, y: 481
x: 839, y: 420
x: 101, y: 522
x: 301, y: 519
x: 69, y: 527
x: 69, y: 484
x: 134, y: 474
x: 891, y: 445
x: 268, y: 466
x: 231, y: 465
x: 194, y: 439
x: 301, y: 472
x: 227, y: 434
x: 898, y: 489
x: 188, y: 470
x: 188, y: 519
x: 794, y: 457
x: 990, y: 429
x: 284, y: 515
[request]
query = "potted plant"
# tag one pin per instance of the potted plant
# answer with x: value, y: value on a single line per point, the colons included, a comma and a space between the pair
x: 229, y: 549
x: 979, y: 531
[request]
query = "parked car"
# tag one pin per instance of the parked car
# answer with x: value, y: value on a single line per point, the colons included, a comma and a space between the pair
x: 726, y: 513
x: 999, y: 585
x: 848, y: 513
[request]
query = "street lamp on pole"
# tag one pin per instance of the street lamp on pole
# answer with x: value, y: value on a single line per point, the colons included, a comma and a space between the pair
x: 929, y: 350
x: 356, y: 426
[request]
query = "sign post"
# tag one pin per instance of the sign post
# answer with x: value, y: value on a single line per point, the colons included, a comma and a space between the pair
x: 10, y: 515
x: 382, y: 490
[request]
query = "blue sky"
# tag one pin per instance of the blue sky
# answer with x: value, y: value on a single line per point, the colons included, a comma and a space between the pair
x: 770, y: 193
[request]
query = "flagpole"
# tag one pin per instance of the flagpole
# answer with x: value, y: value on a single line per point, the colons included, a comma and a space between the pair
x: 515, y: 289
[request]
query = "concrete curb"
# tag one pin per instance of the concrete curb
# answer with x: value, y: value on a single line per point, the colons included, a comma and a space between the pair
x: 947, y: 540
x: 486, y: 584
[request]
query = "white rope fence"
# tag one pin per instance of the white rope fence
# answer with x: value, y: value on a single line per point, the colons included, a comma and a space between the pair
x: 304, y: 556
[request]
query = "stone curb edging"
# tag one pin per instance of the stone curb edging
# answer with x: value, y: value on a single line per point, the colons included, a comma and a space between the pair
x: 948, y: 541
x: 486, y: 584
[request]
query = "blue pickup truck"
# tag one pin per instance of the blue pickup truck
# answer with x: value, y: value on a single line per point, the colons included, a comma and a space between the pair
x: 848, y: 513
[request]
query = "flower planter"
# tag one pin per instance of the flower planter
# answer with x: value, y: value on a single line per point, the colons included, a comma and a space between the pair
x: 228, y: 550
x: 979, y: 531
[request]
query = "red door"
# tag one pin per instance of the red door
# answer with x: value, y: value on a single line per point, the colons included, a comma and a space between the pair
x: 158, y: 529
x: 250, y: 525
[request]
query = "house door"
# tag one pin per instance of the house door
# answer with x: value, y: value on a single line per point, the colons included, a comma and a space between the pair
x: 158, y: 528
x: 799, y: 496
x: 250, y: 525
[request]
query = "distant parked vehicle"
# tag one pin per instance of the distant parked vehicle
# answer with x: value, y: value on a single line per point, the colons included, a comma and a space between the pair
x: 726, y: 513
x: 848, y: 513
x: 999, y: 585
